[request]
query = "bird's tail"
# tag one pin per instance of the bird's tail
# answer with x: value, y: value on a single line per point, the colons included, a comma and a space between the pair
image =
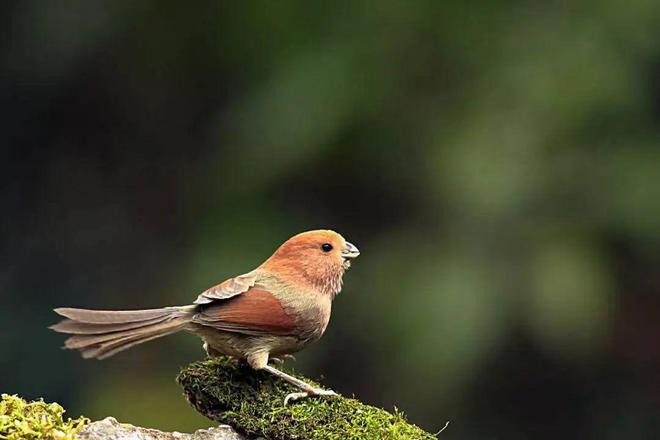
x: 103, y: 333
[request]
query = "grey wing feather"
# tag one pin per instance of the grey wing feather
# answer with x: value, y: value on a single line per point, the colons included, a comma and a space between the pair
x: 227, y: 289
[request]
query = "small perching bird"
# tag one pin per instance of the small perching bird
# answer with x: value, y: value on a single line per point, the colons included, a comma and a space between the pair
x: 275, y: 310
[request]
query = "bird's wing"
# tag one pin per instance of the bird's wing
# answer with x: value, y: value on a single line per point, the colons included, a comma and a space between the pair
x: 254, y: 312
x: 227, y: 289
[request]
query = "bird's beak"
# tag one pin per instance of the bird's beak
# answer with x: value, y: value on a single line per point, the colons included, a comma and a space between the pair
x: 350, y: 251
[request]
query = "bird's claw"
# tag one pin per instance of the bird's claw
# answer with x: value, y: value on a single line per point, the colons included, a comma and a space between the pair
x: 279, y: 360
x: 304, y: 394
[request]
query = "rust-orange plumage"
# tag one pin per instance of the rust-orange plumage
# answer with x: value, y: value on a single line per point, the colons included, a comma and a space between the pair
x: 274, y: 310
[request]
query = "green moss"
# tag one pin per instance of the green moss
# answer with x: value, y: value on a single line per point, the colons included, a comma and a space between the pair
x: 252, y: 402
x: 20, y: 420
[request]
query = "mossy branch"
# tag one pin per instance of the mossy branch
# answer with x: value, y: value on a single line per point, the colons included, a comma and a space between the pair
x: 230, y: 392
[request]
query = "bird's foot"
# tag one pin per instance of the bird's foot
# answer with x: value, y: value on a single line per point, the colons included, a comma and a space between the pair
x: 311, y: 393
x: 279, y: 360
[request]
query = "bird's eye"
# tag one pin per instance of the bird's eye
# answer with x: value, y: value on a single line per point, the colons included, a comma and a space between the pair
x: 327, y: 247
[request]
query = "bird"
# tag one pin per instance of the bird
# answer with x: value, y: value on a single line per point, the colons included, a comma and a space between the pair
x: 261, y: 316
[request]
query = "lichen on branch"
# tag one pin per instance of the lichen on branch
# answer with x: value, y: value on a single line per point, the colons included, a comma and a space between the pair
x: 230, y: 392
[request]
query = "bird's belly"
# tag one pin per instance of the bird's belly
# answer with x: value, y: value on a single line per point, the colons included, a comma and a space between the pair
x: 241, y: 345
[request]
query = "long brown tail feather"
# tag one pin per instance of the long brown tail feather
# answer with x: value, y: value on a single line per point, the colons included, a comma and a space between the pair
x: 102, y: 333
x: 84, y: 328
x: 113, y: 347
x: 113, y: 316
x: 81, y: 341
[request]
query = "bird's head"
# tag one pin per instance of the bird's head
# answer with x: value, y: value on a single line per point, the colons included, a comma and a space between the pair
x: 318, y: 258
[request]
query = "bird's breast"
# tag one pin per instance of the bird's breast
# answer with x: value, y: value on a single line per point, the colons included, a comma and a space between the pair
x: 310, y: 312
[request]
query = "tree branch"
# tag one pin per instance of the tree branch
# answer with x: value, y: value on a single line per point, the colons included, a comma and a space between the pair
x: 230, y: 392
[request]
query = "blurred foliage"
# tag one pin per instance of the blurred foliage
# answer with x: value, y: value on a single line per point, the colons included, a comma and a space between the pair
x: 21, y: 420
x: 497, y: 163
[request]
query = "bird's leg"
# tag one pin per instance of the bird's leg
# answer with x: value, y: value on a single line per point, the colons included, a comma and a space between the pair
x: 259, y: 361
x: 210, y: 351
x: 308, y: 390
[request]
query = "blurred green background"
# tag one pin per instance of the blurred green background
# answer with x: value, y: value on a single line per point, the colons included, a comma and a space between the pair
x: 497, y: 163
